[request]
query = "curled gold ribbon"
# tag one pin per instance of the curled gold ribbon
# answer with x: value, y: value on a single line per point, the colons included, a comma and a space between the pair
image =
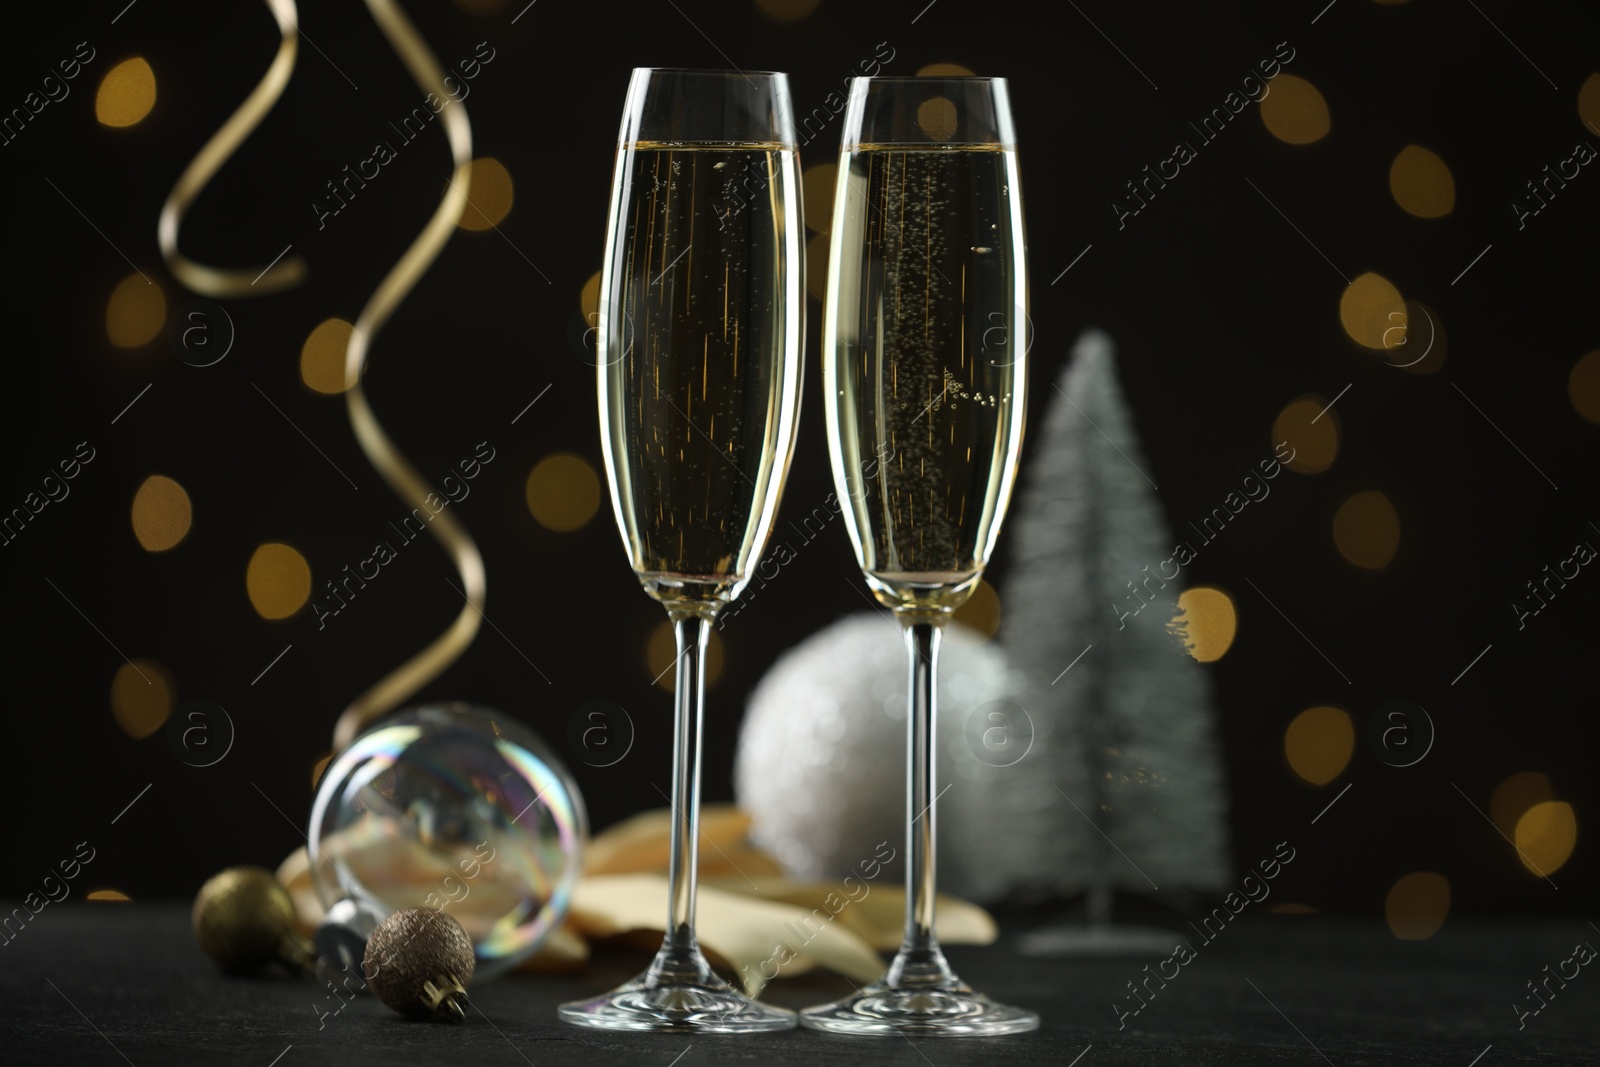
x: 220, y: 281
x: 429, y: 663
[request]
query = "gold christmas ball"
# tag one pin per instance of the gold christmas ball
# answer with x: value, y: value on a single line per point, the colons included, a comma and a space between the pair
x: 419, y: 962
x: 244, y: 920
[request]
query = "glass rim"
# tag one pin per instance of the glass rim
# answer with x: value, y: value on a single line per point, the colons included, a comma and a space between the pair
x: 725, y: 72
x: 913, y: 79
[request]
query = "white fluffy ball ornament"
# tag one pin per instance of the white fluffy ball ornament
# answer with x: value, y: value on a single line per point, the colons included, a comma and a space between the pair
x: 821, y: 765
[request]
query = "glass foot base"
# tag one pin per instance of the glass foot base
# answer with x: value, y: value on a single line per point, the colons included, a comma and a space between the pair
x: 959, y: 1012
x: 698, y: 1007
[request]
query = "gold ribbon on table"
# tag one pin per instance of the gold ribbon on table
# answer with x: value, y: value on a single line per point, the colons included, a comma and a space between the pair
x: 222, y: 281
x: 752, y: 919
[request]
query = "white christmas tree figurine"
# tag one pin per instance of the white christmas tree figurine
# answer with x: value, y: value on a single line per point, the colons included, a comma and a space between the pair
x: 1125, y: 769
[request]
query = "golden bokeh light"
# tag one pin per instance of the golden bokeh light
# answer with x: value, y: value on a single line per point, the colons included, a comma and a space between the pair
x: 661, y: 654
x: 563, y: 492
x: 787, y: 10
x: 1373, y: 313
x: 1583, y: 386
x: 1589, y: 102
x: 1545, y: 836
x: 490, y: 195
x: 1294, y: 111
x: 1319, y: 743
x: 322, y: 356
x: 1514, y: 796
x: 944, y: 70
x: 1206, y: 622
x: 589, y: 298
x: 1366, y: 530
x: 136, y: 312
x: 108, y: 896
x: 981, y: 613
x: 1421, y: 183
x: 1421, y: 347
x: 1311, y: 430
x: 1417, y: 905
x: 816, y: 191
x: 142, y: 696
x: 936, y: 117
x: 126, y: 93
x: 817, y: 266
x: 161, y: 513
x: 316, y: 771
x: 278, y: 580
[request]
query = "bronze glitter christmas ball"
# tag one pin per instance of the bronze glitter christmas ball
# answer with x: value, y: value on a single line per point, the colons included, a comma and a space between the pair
x: 245, y: 920
x: 420, y: 962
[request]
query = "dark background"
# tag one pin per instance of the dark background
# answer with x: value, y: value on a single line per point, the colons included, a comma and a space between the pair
x: 1223, y: 313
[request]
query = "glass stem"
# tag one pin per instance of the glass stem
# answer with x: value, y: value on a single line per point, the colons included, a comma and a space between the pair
x: 920, y: 961
x: 692, y: 632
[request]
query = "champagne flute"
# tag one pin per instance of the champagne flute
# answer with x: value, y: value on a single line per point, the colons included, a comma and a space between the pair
x: 700, y: 343
x: 924, y: 366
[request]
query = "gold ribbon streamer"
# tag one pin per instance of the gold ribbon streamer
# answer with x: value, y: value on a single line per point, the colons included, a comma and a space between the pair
x: 429, y: 663
x: 218, y: 281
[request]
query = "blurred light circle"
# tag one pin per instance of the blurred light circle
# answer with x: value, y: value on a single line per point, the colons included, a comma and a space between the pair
x: 1366, y: 530
x: 1545, y: 836
x: 1417, y: 905
x: 1206, y: 622
x: 563, y: 492
x: 1589, y: 102
x: 127, y: 93
x: 1372, y: 312
x: 589, y: 298
x: 981, y: 612
x: 1294, y: 110
x: 141, y: 697
x: 1319, y: 743
x: 1311, y: 429
x: 816, y: 191
x: 936, y: 117
x: 136, y: 312
x: 1421, y: 183
x: 161, y: 513
x: 322, y: 357
x: 1514, y: 796
x: 489, y: 195
x: 278, y: 579
x: 1583, y: 386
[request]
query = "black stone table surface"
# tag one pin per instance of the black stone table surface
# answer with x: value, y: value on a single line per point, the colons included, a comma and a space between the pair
x: 125, y: 984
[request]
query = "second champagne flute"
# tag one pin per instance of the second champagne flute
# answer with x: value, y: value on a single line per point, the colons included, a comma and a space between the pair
x: 700, y: 337
x: 924, y: 368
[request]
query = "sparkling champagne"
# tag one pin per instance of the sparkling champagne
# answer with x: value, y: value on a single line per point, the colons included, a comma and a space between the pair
x: 924, y: 362
x: 701, y: 346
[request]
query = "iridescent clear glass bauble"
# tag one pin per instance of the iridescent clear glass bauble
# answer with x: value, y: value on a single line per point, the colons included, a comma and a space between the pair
x: 457, y: 808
